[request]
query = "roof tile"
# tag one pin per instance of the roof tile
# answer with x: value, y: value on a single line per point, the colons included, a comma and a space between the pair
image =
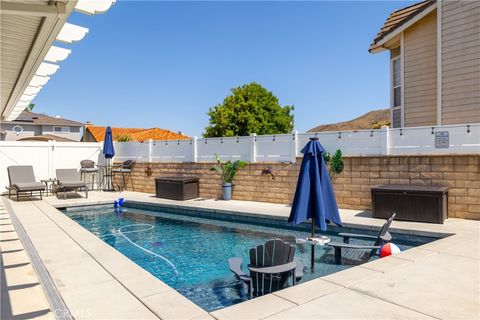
x: 136, y: 134
x: 397, y: 19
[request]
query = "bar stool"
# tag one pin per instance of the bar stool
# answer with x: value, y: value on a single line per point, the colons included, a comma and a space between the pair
x: 88, y: 166
x: 125, y: 169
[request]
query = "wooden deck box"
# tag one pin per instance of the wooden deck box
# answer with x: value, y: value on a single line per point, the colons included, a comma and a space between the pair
x: 176, y: 188
x: 410, y: 203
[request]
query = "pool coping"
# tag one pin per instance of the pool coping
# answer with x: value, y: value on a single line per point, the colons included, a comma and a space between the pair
x: 155, y: 295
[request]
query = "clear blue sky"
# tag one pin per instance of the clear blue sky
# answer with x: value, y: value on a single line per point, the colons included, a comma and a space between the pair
x: 163, y: 64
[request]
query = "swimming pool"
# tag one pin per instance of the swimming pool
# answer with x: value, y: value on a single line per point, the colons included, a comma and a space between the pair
x: 188, y: 249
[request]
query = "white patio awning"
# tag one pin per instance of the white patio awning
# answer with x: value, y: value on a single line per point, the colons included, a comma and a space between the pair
x: 28, y: 56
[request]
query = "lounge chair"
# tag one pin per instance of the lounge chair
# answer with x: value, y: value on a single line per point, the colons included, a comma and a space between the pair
x: 270, y: 267
x: 383, y: 237
x: 69, y: 180
x: 125, y: 169
x: 22, y: 180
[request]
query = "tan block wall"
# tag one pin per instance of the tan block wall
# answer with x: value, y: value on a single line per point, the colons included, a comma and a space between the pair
x: 352, y: 188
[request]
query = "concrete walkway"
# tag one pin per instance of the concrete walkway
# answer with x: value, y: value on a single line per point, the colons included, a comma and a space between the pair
x: 22, y: 296
x: 436, y: 280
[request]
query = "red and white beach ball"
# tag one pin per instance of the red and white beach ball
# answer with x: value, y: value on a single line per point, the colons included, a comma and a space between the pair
x: 389, y: 249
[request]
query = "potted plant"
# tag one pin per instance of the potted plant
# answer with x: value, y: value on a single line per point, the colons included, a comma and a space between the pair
x: 228, y: 171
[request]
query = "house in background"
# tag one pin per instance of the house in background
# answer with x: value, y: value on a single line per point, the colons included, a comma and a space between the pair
x: 39, y: 127
x: 96, y: 134
x: 434, y: 61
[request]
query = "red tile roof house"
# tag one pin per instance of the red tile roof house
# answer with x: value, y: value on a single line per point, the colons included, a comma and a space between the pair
x: 39, y: 127
x: 434, y: 61
x: 96, y: 134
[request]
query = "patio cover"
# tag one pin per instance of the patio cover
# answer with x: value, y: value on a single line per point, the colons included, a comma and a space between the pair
x: 28, y: 56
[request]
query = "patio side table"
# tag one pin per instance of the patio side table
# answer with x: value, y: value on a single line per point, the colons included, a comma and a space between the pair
x: 49, y: 185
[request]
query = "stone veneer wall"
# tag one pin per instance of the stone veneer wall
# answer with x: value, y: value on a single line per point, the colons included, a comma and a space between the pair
x: 461, y: 173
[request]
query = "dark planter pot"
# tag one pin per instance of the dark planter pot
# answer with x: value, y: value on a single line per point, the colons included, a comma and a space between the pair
x: 227, y: 191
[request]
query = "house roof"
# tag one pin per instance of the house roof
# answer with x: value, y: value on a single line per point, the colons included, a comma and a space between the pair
x: 136, y: 134
x: 397, y: 19
x: 27, y: 117
x: 46, y: 137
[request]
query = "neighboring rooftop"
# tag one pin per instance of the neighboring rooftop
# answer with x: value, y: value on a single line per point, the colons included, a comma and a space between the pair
x: 96, y: 134
x: 370, y: 120
x: 28, y: 117
x: 398, y: 18
x: 47, y: 137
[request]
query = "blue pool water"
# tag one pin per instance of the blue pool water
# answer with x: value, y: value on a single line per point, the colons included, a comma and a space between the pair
x: 188, y: 250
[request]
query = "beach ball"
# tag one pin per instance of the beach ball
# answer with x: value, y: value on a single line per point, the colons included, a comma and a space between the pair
x: 389, y: 249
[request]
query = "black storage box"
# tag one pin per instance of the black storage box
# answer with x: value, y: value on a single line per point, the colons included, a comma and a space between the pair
x: 176, y: 188
x: 410, y: 203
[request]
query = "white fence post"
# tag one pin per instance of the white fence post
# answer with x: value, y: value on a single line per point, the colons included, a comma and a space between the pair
x: 293, y: 149
x: 253, y: 147
x: 150, y: 144
x: 384, y: 132
x: 51, y: 161
x: 194, y: 149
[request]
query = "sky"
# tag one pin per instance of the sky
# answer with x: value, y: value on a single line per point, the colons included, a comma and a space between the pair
x: 164, y: 64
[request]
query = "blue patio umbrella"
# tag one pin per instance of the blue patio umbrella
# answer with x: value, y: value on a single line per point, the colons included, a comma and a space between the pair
x: 314, y: 197
x: 108, y: 152
x: 108, y: 149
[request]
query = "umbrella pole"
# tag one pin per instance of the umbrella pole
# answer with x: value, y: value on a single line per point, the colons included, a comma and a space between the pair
x: 312, y: 258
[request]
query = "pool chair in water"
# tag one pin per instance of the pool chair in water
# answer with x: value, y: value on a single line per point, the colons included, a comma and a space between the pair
x: 69, y: 180
x: 383, y: 237
x: 271, y: 266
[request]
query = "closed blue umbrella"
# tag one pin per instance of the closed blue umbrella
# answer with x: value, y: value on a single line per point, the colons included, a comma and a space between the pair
x: 108, y: 152
x: 108, y: 149
x: 314, y: 197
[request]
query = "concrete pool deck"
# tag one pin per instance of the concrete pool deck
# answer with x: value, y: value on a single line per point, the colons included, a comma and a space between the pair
x: 437, y: 280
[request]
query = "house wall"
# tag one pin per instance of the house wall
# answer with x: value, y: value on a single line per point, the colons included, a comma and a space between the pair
x: 461, y: 173
x: 420, y: 72
x: 28, y: 131
x: 74, y: 134
x: 460, y: 62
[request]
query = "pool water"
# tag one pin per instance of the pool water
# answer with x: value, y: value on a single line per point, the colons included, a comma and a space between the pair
x: 189, y: 251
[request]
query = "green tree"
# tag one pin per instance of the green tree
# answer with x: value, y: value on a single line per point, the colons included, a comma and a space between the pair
x: 249, y: 109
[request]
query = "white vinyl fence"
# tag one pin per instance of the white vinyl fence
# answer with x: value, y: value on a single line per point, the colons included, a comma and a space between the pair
x: 45, y: 157
x: 453, y: 139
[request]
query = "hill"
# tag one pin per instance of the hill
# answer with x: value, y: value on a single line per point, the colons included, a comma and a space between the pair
x: 370, y: 120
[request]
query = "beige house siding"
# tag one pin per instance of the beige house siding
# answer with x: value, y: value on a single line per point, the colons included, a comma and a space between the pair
x: 420, y: 75
x: 460, y: 62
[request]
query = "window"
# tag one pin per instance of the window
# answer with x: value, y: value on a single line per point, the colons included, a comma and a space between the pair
x: 17, y: 129
x: 61, y: 129
x: 396, y: 118
x: 396, y: 83
x: 396, y: 92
